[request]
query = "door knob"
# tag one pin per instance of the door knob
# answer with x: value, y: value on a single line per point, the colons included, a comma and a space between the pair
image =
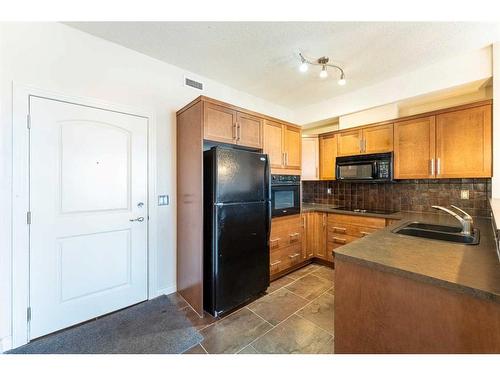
x: 139, y: 219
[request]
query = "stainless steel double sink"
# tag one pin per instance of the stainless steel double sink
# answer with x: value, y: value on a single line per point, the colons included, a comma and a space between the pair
x: 438, y: 232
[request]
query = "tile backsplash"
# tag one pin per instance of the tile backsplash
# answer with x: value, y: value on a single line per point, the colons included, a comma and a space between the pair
x: 403, y: 195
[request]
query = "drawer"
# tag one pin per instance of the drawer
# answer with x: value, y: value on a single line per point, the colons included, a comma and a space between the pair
x: 285, y: 258
x: 351, y: 230
x: 286, y: 224
x: 373, y: 222
x: 281, y: 240
x: 340, y: 239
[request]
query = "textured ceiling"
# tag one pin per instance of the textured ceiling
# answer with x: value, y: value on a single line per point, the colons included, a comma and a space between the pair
x: 261, y: 58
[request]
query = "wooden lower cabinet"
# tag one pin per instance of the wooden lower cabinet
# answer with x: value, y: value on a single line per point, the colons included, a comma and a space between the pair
x: 316, y: 235
x: 286, y: 243
x: 343, y: 229
x: 297, y: 239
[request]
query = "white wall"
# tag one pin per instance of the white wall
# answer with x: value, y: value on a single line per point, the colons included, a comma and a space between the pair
x: 56, y: 57
x: 369, y: 116
x: 495, y: 183
x: 469, y: 67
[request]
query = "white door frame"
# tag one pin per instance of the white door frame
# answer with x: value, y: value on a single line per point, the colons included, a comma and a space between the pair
x: 20, y: 198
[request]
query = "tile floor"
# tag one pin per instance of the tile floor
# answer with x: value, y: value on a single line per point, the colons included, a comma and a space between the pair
x: 295, y: 316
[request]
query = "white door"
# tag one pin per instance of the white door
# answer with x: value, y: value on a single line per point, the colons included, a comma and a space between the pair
x: 88, y: 179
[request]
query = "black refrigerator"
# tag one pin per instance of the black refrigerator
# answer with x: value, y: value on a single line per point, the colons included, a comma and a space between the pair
x: 237, y: 222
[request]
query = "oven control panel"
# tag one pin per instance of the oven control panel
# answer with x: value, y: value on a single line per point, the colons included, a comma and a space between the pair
x: 285, y: 179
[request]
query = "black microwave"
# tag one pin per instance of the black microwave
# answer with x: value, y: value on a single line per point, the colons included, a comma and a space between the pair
x: 365, y: 168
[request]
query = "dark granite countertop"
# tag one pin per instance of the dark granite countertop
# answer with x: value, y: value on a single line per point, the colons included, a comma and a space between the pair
x: 310, y: 207
x: 470, y: 269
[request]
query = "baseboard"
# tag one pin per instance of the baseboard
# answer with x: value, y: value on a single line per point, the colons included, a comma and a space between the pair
x: 168, y: 290
x: 5, y: 344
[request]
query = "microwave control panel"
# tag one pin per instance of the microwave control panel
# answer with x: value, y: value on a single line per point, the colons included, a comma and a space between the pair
x: 384, y: 169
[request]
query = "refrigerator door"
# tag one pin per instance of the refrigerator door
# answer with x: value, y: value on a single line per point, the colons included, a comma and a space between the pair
x: 242, y: 252
x: 241, y: 176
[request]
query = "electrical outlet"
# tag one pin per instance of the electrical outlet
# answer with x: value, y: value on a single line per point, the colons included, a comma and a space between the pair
x: 328, y: 190
x: 464, y: 194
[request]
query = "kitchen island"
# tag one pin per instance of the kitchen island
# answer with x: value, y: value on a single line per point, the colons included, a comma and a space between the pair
x: 401, y: 294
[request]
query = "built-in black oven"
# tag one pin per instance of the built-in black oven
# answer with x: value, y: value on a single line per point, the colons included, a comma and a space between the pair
x: 373, y: 167
x: 285, y: 195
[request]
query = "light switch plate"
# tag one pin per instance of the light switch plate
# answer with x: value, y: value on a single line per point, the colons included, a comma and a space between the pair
x: 163, y: 200
x: 464, y: 194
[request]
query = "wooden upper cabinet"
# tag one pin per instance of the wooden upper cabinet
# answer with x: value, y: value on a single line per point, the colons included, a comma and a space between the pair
x: 328, y: 154
x: 219, y: 123
x: 369, y: 140
x: 464, y: 143
x: 414, y: 148
x: 377, y: 139
x: 249, y: 130
x: 310, y: 158
x: 349, y: 142
x: 292, y: 147
x: 273, y: 143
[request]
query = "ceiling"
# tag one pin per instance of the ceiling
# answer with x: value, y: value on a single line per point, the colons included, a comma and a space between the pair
x: 261, y: 58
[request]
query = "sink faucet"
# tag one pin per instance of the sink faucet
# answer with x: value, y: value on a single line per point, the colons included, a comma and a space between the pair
x: 466, y: 220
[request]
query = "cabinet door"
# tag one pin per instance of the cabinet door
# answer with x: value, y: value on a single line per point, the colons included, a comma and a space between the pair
x: 293, y: 146
x: 310, y: 158
x: 319, y: 239
x: 378, y: 139
x: 219, y: 123
x: 414, y: 146
x: 249, y: 130
x: 306, y: 253
x: 273, y: 143
x: 328, y: 154
x: 463, y: 143
x: 349, y: 142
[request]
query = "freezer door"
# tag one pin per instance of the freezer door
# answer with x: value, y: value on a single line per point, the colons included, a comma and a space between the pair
x: 241, y: 176
x: 242, y: 253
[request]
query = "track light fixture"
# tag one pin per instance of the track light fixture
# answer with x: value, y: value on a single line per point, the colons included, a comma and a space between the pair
x: 324, y: 63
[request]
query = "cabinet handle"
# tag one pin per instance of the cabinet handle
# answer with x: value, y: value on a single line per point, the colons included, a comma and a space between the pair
x: 360, y: 145
x: 283, y: 159
x: 363, y: 234
x: 432, y: 166
x: 294, y: 256
x: 438, y: 166
x: 234, y: 131
x: 286, y: 158
x: 339, y: 230
x: 294, y: 236
x: 304, y: 222
x: 275, y: 263
x: 274, y: 241
x: 324, y: 220
x: 238, y: 131
x: 339, y: 240
x: 364, y: 145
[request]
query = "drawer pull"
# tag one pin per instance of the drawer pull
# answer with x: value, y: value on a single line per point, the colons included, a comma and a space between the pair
x: 339, y: 230
x: 275, y: 263
x: 294, y: 256
x: 294, y: 237
x: 339, y: 240
x: 363, y: 234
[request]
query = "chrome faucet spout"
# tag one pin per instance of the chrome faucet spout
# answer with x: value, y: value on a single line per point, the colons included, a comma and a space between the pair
x: 466, y: 221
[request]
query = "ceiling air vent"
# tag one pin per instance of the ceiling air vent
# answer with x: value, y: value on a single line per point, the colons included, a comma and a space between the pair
x: 192, y: 83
